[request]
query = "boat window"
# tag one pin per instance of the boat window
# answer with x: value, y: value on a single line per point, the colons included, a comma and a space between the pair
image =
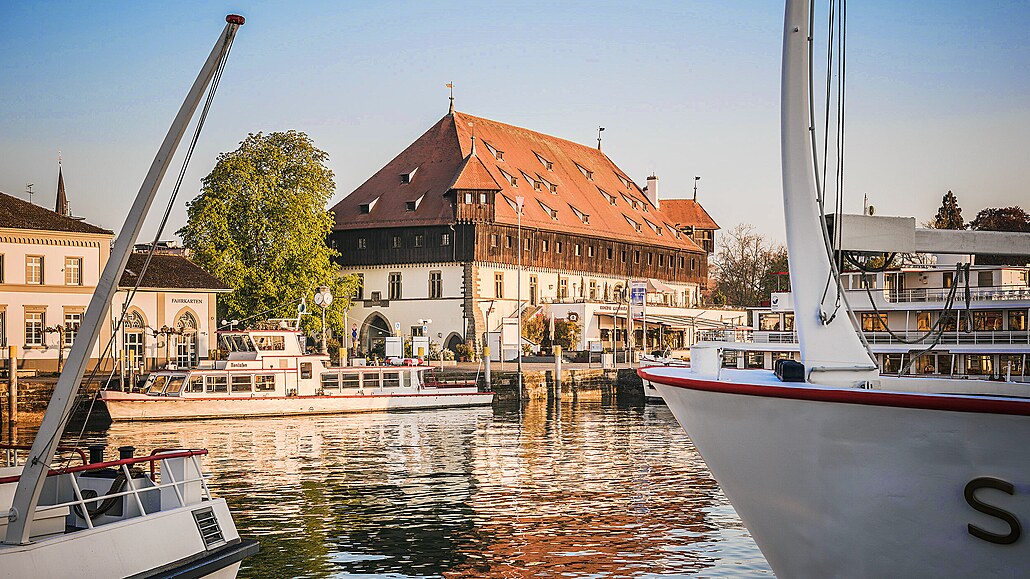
x: 391, y: 379
x: 1017, y: 320
x: 351, y: 379
x: 274, y: 343
x: 754, y: 359
x: 174, y: 385
x: 157, y: 385
x: 330, y: 381
x: 264, y: 383
x: 305, y: 370
x: 769, y: 322
x: 979, y: 364
x: 788, y: 322
x: 242, y: 383
x: 729, y: 358
x: 1011, y: 364
x: 237, y: 343
x: 196, y: 384
x: 874, y: 322
x: 372, y: 380
x: 217, y: 384
x: 892, y: 363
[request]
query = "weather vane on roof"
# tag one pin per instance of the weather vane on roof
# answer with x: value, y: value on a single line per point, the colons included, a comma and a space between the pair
x: 450, y: 85
x: 599, y: 131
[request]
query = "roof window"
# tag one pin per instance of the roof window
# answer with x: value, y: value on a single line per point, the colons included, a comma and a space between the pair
x: 586, y: 172
x: 407, y: 177
x: 547, y: 164
x: 497, y: 153
x: 608, y: 196
x: 625, y: 181
x: 584, y: 217
x: 509, y: 178
x: 634, y: 224
x: 655, y: 228
x: 552, y: 212
x: 514, y: 206
x: 367, y: 208
x: 413, y: 205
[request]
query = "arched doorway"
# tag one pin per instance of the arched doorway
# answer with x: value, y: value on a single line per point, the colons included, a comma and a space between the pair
x: 452, y: 341
x: 374, y: 331
x: 186, y: 341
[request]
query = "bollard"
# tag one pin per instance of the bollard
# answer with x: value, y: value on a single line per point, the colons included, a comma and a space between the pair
x: 486, y: 360
x: 557, y: 372
x: 12, y: 384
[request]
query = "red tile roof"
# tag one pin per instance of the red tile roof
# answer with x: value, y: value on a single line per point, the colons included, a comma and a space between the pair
x: 574, y: 180
x: 684, y: 212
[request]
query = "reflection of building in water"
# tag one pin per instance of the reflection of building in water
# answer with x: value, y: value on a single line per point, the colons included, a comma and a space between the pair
x: 580, y: 488
x: 579, y: 492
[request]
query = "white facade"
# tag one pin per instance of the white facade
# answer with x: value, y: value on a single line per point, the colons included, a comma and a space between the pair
x: 48, y: 279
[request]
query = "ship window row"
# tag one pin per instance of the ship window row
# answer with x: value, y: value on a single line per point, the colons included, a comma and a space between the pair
x: 399, y: 241
x: 336, y: 381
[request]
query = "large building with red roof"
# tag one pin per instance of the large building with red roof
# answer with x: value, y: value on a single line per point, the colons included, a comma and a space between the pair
x: 435, y: 235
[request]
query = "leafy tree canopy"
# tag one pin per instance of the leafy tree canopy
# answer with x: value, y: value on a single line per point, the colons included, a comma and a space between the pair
x: 949, y: 216
x: 260, y: 224
x: 1002, y: 219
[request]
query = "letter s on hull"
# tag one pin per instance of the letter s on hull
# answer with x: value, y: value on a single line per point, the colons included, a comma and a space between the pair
x: 987, y: 482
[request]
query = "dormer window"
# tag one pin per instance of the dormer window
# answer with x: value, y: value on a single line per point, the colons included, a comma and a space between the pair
x: 514, y: 206
x: 624, y: 180
x: 586, y: 172
x: 366, y: 208
x: 547, y: 164
x: 634, y: 224
x: 409, y: 205
x: 655, y: 228
x: 509, y: 178
x: 585, y: 218
x: 407, y: 177
x: 554, y: 188
x: 553, y: 213
x: 538, y: 185
x: 497, y: 153
x: 608, y: 196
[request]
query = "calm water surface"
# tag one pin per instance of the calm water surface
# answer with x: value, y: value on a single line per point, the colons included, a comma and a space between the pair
x: 584, y: 489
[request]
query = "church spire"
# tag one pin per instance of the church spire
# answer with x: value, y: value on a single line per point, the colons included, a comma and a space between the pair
x: 62, y: 198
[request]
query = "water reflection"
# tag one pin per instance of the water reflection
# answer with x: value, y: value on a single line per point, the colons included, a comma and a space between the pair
x: 577, y: 489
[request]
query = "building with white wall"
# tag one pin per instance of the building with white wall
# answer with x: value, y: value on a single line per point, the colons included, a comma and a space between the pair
x: 440, y: 231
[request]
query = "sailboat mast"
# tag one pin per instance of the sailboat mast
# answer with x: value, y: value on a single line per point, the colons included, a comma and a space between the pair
x: 830, y: 348
x: 37, y: 464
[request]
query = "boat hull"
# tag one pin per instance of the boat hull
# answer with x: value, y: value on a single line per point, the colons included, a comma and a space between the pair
x: 858, y: 483
x: 133, y: 407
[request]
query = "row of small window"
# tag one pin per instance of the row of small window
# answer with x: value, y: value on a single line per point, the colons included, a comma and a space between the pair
x: 950, y: 321
x: 944, y: 364
x: 164, y: 385
x: 417, y: 240
x: 36, y: 328
x: 355, y: 380
x: 577, y: 249
x: 35, y: 270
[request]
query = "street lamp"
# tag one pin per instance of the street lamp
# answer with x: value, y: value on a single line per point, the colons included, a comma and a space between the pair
x: 324, y: 298
x: 519, y: 200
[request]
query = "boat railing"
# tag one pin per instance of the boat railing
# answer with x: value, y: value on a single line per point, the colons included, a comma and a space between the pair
x: 180, y: 470
x: 1000, y: 337
x: 994, y: 293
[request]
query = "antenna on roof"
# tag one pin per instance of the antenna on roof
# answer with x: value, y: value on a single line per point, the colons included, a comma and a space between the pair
x: 450, y: 85
x: 473, y: 152
x: 696, y: 179
x: 599, y: 131
x: 28, y: 189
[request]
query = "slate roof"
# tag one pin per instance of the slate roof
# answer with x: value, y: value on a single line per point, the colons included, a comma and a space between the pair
x: 575, y: 181
x: 169, y: 272
x: 18, y: 214
x: 684, y: 212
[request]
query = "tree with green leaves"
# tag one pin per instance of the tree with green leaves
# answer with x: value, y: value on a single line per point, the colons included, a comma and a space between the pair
x: 260, y: 224
x: 1013, y: 219
x: 949, y: 216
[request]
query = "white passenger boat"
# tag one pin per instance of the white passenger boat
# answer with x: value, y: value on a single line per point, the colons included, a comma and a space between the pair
x: 268, y: 373
x: 137, y: 516
x: 835, y: 469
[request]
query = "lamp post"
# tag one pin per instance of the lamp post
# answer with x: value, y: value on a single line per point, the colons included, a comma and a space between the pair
x: 518, y: 292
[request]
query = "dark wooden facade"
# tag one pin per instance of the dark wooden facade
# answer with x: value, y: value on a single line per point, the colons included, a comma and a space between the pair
x: 488, y: 242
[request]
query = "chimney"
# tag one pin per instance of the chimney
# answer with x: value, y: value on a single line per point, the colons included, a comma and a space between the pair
x: 652, y: 190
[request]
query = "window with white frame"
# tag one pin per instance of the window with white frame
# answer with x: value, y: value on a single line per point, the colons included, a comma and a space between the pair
x: 73, y: 271
x: 34, y: 269
x: 71, y: 327
x: 35, y: 321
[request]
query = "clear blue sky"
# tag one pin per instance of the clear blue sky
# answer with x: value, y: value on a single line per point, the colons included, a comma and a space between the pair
x: 939, y: 94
